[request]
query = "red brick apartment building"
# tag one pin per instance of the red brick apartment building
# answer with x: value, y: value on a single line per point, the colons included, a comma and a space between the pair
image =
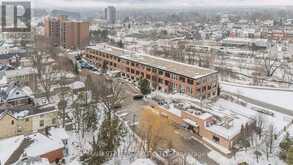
x: 165, y: 75
x: 66, y: 33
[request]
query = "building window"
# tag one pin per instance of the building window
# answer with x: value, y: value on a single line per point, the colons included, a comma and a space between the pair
x: 148, y: 69
x: 216, y: 139
x: 54, y: 121
x: 161, y: 72
x: 42, y: 123
x: 190, y: 81
x: 166, y: 82
x: 167, y: 74
x: 160, y: 80
x: 148, y: 76
x: 182, y: 79
x: 12, y: 122
x: 27, y: 119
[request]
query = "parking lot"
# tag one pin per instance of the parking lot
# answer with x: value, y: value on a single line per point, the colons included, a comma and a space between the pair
x: 182, y: 139
x: 131, y: 111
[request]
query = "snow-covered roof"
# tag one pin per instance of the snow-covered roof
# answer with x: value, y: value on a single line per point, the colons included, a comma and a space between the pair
x: 20, y: 72
x: 188, y: 121
x: 42, y: 145
x: 21, y: 114
x: 18, y: 92
x: 8, y: 146
x: 174, y: 110
x: 229, y: 112
x: 191, y: 71
x: 58, y: 133
x: 143, y: 162
x: 77, y: 85
x: 14, y: 91
x: 33, y: 161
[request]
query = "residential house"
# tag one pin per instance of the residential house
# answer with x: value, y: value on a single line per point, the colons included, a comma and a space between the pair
x: 15, y: 95
x: 21, y: 121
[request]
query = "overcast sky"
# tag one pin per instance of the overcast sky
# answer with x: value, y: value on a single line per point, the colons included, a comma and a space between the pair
x: 156, y: 3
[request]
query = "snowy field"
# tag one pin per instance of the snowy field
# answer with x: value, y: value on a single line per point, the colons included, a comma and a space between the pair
x: 277, y: 97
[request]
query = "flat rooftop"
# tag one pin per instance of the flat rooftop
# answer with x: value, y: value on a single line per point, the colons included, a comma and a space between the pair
x: 187, y: 70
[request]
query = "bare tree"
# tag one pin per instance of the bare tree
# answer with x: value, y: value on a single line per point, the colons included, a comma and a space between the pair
x: 260, y: 125
x: 63, y: 95
x: 154, y: 130
x: 110, y: 93
x: 84, y: 113
x: 271, y: 133
x: 271, y: 63
x: 47, y: 80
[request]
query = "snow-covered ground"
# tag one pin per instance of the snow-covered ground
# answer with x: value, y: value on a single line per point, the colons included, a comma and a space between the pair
x: 277, y: 97
x: 248, y: 157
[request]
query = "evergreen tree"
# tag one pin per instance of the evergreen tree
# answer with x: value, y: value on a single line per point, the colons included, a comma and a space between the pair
x: 85, y: 113
x: 144, y: 86
x: 76, y: 69
x: 108, y: 140
x: 120, y: 44
x: 62, y: 111
x: 219, y: 91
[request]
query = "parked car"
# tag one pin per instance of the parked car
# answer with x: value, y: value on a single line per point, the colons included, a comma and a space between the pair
x: 137, y: 97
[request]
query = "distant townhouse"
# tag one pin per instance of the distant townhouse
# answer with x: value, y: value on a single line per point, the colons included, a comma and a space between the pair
x: 245, y: 42
x: 164, y: 75
x: 25, y: 76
